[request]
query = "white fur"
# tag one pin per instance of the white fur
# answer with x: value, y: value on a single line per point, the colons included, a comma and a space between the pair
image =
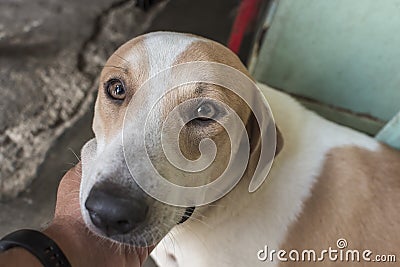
x: 242, y: 223
x: 159, y: 45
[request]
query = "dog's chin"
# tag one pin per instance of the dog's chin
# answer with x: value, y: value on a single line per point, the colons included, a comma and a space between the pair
x: 145, y: 235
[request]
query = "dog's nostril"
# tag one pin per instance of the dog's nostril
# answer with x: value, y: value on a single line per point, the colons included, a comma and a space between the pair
x: 113, y: 210
x: 95, y: 219
x: 125, y: 226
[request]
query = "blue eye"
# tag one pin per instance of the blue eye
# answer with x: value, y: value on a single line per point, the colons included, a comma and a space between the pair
x: 116, y: 89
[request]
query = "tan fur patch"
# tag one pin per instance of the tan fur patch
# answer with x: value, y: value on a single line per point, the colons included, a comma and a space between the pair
x: 215, y: 52
x: 133, y: 74
x: 206, y: 50
x: 356, y: 197
x: 110, y: 114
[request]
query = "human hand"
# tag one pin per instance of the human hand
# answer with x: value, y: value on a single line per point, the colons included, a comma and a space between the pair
x: 82, y: 247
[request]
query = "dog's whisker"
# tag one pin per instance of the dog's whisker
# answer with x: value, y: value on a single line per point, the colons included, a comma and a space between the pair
x: 216, y: 205
x: 74, y: 182
x: 172, y: 241
x: 195, y: 234
x: 170, y: 236
x: 152, y: 237
x: 176, y: 243
x: 73, y: 152
x: 72, y: 195
x: 64, y: 171
x: 144, y: 238
x: 120, y: 248
x: 78, y: 173
x: 115, y: 54
x: 199, y: 213
x: 114, y: 246
x: 117, y: 67
x: 78, y: 166
x: 200, y: 216
x: 201, y: 222
x: 196, y: 213
x: 165, y: 248
x: 75, y: 193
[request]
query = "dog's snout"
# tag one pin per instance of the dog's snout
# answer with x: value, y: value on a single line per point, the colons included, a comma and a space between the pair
x: 114, y: 210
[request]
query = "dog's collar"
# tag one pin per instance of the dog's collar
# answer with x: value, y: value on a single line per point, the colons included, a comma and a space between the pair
x: 188, y: 212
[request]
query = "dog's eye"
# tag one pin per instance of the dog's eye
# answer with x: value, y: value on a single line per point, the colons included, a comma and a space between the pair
x: 116, y: 89
x: 206, y: 112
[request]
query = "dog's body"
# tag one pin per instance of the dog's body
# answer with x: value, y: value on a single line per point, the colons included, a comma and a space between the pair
x: 327, y: 182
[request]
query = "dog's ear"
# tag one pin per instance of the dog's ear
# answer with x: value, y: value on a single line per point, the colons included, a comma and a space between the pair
x: 253, y: 131
x: 279, y: 141
x: 266, y: 141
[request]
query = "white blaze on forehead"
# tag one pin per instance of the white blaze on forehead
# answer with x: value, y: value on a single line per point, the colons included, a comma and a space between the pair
x: 164, y: 48
x: 161, y: 50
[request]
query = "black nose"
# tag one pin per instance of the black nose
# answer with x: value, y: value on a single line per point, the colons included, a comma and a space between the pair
x: 114, y: 209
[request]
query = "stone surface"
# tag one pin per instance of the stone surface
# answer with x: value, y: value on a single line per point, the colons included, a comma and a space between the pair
x: 50, y: 55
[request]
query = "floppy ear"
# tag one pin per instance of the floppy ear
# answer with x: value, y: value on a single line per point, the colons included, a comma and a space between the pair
x: 266, y: 142
x: 253, y: 131
x: 279, y: 141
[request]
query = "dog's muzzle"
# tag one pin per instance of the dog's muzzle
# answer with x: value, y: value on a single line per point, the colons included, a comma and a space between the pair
x: 113, y: 209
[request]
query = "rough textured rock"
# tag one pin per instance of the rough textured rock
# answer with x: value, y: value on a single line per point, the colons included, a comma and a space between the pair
x: 50, y: 55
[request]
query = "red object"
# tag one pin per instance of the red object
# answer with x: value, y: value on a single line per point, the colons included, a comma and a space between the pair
x: 246, y: 16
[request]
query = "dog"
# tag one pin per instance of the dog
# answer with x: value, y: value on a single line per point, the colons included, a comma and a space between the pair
x: 328, y: 183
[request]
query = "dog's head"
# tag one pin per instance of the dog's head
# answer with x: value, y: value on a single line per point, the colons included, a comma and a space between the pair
x: 112, y: 203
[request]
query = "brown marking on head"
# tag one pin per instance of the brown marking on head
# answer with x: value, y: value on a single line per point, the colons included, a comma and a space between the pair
x: 132, y: 65
x: 210, y: 51
x: 129, y: 64
x: 110, y: 113
x: 356, y: 197
x: 207, y: 50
